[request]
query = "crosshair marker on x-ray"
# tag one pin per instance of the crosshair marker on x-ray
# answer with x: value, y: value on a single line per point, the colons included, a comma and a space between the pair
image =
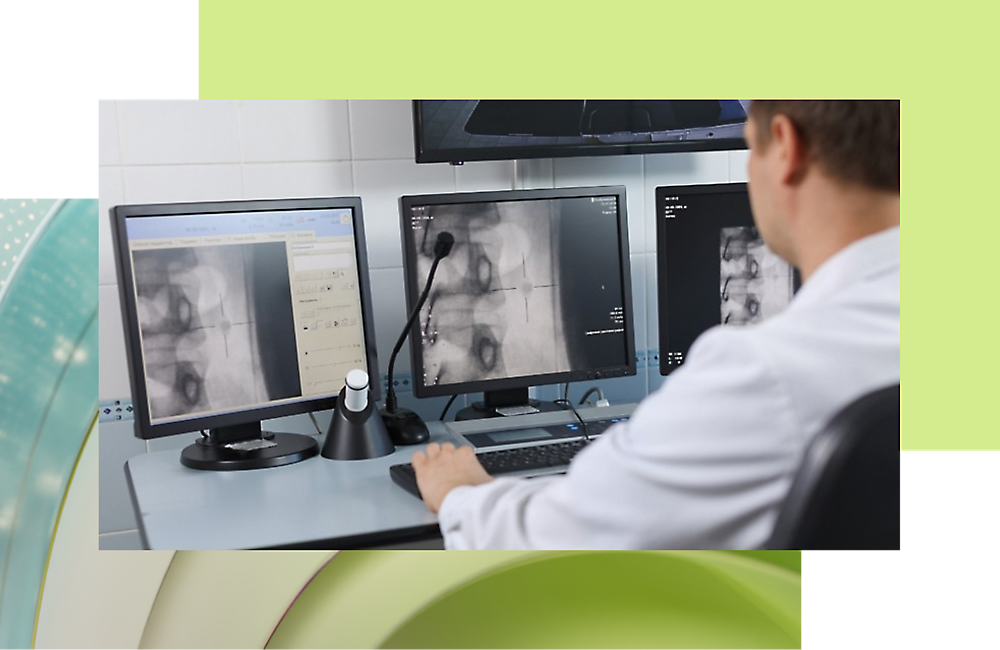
x: 526, y: 288
x: 224, y: 325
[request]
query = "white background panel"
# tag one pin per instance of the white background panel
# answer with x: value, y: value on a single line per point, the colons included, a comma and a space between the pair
x: 939, y: 592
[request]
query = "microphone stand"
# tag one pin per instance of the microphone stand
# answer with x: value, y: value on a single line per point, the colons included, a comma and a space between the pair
x: 405, y: 426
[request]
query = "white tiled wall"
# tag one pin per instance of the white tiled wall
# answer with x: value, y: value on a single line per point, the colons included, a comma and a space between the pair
x: 285, y: 131
x: 178, y: 133
x: 216, y: 150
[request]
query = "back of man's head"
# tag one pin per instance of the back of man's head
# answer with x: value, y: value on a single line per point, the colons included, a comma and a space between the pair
x: 853, y: 141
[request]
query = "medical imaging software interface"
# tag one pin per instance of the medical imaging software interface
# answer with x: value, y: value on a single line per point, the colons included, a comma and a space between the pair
x: 243, y: 310
x: 532, y: 287
x: 714, y: 268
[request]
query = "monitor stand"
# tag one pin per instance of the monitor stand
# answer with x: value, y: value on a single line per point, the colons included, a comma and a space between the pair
x: 245, y: 446
x: 515, y: 401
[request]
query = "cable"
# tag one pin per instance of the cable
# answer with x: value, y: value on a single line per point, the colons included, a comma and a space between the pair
x: 315, y: 423
x: 566, y: 392
x: 579, y: 419
x: 595, y: 389
x: 447, y: 406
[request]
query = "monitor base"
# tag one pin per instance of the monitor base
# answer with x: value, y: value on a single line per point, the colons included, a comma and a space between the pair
x: 479, y: 410
x: 288, y: 448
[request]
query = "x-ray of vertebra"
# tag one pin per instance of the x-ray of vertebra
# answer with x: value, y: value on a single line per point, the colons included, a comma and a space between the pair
x: 754, y: 282
x: 494, y: 310
x: 216, y: 323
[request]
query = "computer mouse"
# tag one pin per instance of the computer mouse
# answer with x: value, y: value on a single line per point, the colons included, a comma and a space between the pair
x: 406, y: 428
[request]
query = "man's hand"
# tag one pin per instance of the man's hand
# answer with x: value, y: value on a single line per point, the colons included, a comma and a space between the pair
x: 442, y: 468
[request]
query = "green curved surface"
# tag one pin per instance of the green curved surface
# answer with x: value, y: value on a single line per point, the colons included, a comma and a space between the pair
x: 48, y: 398
x: 567, y: 599
x: 606, y: 600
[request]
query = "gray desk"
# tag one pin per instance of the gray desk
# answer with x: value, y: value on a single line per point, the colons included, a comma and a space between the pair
x: 317, y: 503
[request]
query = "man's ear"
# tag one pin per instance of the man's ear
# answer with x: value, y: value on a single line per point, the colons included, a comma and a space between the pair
x: 793, y: 160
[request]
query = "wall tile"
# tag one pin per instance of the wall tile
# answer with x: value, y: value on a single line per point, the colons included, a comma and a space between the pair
x: 108, y: 134
x: 652, y: 306
x: 389, y: 305
x: 182, y: 183
x: 178, y: 132
x: 284, y: 180
x: 117, y: 444
x: 381, y: 129
x: 173, y: 443
x: 380, y: 184
x: 113, y: 372
x: 738, y: 166
x: 535, y: 174
x: 680, y: 169
x: 621, y: 390
x: 296, y: 130
x: 639, y: 317
x: 484, y: 176
x: 126, y: 541
x: 612, y: 170
x: 110, y: 195
x: 654, y: 379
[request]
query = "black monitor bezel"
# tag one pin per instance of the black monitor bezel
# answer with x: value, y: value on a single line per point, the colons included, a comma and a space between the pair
x: 144, y: 429
x: 422, y: 154
x: 661, y: 254
x: 406, y: 203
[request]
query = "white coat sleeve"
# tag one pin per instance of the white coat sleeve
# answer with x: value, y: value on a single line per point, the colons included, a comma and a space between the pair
x: 702, y: 463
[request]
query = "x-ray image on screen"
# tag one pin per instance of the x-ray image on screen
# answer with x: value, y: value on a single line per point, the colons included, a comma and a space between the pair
x: 754, y: 283
x: 494, y: 309
x: 530, y: 288
x: 713, y: 268
x: 216, y: 327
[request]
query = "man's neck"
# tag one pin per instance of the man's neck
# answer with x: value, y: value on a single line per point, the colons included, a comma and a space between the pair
x: 834, y: 216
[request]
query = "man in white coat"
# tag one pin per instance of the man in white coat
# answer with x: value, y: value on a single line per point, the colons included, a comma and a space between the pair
x: 706, y: 461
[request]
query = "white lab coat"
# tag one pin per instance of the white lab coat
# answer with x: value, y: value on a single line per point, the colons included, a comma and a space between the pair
x: 705, y: 462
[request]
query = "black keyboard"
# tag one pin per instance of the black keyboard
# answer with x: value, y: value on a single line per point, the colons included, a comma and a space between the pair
x: 505, y: 461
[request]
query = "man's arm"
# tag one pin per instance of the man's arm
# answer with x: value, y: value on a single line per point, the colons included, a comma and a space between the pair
x: 702, y: 463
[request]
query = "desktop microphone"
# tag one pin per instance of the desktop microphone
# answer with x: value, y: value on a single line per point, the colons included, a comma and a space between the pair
x: 356, y: 431
x: 406, y: 427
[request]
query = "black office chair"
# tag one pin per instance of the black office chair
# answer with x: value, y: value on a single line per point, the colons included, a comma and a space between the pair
x: 846, y: 493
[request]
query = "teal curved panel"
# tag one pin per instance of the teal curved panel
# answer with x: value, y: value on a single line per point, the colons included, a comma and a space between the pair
x: 19, y: 220
x: 48, y: 398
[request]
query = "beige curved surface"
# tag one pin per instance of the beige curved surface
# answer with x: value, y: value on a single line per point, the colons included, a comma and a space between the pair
x: 92, y: 598
x: 227, y: 599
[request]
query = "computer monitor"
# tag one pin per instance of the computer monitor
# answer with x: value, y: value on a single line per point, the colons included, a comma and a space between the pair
x: 457, y: 130
x: 236, y: 312
x: 536, y: 290
x: 713, y: 267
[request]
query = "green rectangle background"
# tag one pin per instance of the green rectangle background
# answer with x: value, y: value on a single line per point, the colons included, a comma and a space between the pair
x: 934, y: 58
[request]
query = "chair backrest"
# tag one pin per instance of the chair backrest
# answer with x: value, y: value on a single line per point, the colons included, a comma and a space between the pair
x: 846, y: 493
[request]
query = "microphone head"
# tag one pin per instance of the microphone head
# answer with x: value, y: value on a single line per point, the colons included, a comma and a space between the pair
x: 443, y: 245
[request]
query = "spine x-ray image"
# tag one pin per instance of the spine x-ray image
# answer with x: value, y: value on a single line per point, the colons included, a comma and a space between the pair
x: 216, y: 326
x: 525, y: 290
x: 754, y: 282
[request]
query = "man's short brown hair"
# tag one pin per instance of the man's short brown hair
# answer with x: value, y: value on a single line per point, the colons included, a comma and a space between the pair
x: 856, y: 141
